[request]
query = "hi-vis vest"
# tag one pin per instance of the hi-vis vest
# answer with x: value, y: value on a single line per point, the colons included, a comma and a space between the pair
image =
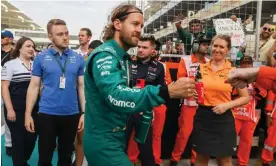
x: 191, y: 71
x: 271, y: 104
x: 248, y: 112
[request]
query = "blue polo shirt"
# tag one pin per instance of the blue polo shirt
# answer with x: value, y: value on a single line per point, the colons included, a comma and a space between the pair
x: 54, y: 100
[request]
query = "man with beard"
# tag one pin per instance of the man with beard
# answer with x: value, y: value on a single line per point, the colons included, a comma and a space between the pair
x: 152, y: 72
x: 109, y: 98
x: 60, y: 70
x: 267, y: 38
x: 85, y: 36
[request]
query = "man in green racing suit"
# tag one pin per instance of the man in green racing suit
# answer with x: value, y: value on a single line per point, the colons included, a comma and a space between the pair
x: 109, y: 100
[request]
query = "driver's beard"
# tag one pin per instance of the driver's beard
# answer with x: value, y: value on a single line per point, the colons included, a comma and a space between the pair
x: 127, y: 40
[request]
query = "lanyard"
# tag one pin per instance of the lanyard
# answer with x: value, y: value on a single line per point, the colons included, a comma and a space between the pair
x: 63, y: 69
x: 2, y: 59
x: 27, y: 67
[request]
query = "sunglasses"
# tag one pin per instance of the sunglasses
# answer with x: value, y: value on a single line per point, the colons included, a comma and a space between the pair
x: 266, y: 29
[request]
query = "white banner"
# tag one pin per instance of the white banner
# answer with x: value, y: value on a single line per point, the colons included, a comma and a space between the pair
x: 231, y: 28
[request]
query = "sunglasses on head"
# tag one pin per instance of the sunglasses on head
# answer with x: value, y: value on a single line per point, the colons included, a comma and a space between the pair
x: 268, y: 29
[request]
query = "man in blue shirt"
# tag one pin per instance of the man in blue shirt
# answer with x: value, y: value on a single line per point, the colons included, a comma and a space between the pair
x: 60, y: 70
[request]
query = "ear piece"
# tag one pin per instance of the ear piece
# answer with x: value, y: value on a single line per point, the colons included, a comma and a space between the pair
x: 195, y: 46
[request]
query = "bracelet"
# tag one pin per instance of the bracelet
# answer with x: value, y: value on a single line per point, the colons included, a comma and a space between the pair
x: 82, y: 113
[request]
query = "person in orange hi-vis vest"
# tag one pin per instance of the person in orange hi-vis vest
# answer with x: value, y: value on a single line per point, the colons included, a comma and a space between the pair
x: 187, y: 68
x: 270, y: 141
x: 247, y: 117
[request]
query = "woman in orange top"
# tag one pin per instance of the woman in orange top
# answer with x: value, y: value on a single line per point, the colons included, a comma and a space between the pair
x: 214, y: 125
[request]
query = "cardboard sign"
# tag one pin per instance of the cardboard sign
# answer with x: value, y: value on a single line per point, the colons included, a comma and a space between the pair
x: 231, y: 28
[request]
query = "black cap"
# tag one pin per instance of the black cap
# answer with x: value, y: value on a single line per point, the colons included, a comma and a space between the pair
x: 202, y: 40
x: 247, y: 59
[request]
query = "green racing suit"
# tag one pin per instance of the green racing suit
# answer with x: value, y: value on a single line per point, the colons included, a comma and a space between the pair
x: 109, y: 103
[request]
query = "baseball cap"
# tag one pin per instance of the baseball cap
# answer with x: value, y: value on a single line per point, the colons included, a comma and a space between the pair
x: 6, y: 33
x: 248, y: 59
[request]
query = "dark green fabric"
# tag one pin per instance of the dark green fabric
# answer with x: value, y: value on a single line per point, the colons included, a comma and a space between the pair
x: 186, y: 37
x: 109, y: 102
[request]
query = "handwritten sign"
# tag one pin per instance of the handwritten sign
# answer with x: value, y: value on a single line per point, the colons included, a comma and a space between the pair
x: 231, y: 28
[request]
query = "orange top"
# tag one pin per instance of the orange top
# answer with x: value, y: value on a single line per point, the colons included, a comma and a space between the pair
x: 216, y: 91
x: 168, y: 66
x: 182, y: 71
x: 267, y: 78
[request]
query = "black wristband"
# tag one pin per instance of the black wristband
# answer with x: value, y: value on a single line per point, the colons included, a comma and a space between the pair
x: 82, y: 113
x: 164, y: 93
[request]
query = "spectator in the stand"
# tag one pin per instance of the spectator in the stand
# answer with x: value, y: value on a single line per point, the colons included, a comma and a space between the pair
x: 60, y: 70
x: 179, y: 47
x: 271, y: 56
x: 267, y: 38
x: 187, y: 68
x: 6, y: 49
x: 16, y: 76
x: 196, y: 30
x: 214, y: 121
x: 85, y: 35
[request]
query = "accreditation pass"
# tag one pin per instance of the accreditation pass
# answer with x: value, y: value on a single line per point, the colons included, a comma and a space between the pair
x: 62, y: 81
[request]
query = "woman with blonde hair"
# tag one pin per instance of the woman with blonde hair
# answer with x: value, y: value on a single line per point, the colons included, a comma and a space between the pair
x: 214, y: 125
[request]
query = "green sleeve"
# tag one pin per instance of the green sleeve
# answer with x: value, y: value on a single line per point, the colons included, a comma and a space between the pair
x: 112, y: 85
x: 186, y: 38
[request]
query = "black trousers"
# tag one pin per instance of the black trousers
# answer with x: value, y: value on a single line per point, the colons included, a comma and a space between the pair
x: 23, y: 142
x: 146, y: 152
x: 52, y: 127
